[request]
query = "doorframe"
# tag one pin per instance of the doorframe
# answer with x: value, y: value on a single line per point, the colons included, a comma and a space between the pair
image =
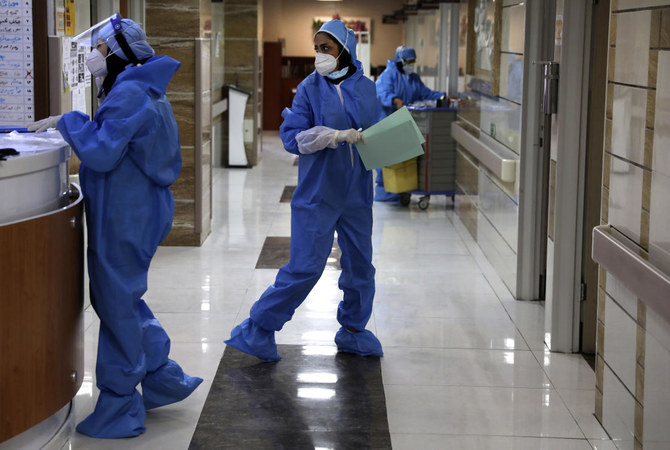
x: 538, y: 46
x: 562, y: 331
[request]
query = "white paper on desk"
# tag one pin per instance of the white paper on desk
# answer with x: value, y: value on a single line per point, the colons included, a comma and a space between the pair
x: 391, y: 141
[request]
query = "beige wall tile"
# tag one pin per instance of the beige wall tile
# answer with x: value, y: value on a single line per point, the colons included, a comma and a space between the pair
x: 653, y: 68
x: 608, y: 135
x: 613, y: 24
x: 607, y: 162
x: 241, y: 21
x: 638, y: 4
x: 610, y: 100
x: 604, y: 205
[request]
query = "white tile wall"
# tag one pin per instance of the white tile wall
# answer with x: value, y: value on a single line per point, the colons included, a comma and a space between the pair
x: 620, y: 339
x: 501, y: 210
x: 625, y: 199
x: 625, y: 298
x: 631, y: 63
x: 656, y: 385
x: 501, y: 256
x: 505, y: 116
x: 628, y: 122
x: 659, y: 230
x: 661, y: 161
x: 618, y: 411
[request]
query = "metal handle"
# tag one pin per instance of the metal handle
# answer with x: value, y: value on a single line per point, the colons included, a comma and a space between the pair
x: 550, y: 86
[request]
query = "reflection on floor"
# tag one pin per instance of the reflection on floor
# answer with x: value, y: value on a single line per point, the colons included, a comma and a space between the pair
x: 464, y: 366
x: 312, y: 398
x: 276, y: 252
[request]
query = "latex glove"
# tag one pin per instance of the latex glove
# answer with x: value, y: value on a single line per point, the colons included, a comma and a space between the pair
x: 350, y: 136
x: 44, y: 124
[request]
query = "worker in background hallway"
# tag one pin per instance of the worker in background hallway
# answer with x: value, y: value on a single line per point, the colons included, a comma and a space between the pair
x: 130, y: 155
x: 398, y: 86
x: 334, y: 194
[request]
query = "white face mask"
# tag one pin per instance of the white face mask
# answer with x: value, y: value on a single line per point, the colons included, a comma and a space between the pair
x: 408, y: 68
x: 325, y: 63
x: 96, y: 63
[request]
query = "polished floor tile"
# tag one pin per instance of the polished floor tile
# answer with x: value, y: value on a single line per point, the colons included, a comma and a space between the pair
x: 464, y: 367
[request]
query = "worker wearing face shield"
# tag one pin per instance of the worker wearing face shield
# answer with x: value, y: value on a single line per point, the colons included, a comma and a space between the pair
x: 334, y: 194
x: 397, y: 86
x: 130, y: 155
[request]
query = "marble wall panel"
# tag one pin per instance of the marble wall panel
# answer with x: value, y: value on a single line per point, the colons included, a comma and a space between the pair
x: 183, y: 50
x: 629, y: 112
x: 631, y: 64
x: 241, y: 21
x: 176, y: 19
x: 183, y: 105
x: 619, y: 345
x: 625, y: 198
x: 239, y: 54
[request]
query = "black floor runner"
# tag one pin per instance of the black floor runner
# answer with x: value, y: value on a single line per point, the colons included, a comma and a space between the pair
x: 310, y: 399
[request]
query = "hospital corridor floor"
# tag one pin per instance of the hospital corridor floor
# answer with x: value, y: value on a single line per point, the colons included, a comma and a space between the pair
x: 464, y: 365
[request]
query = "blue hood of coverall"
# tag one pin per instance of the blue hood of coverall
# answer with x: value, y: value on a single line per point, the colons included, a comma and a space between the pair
x: 342, y: 34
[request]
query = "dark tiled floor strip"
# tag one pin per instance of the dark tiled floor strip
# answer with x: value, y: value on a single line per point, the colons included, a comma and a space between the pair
x: 309, y: 399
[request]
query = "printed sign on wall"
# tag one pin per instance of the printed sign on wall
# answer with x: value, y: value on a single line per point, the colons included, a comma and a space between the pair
x: 16, y: 63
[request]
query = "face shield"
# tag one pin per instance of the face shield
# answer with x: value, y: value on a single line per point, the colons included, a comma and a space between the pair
x: 112, y: 32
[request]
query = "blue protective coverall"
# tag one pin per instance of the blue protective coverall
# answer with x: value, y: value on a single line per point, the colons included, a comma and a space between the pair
x: 334, y: 193
x: 409, y: 88
x: 130, y: 155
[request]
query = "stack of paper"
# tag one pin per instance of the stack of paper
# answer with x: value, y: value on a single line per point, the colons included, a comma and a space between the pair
x: 393, y: 140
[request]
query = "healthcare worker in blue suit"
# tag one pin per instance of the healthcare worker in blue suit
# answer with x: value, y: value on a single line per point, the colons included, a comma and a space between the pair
x: 130, y: 155
x: 397, y: 86
x: 334, y: 194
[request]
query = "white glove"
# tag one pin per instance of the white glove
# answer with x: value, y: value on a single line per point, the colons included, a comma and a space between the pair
x: 44, y: 124
x: 350, y: 136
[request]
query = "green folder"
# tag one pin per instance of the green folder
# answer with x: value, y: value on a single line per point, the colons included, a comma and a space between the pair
x: 391, y: 141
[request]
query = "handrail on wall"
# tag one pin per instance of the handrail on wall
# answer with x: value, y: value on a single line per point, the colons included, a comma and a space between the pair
x: 642, y: 278
x: 504, y: 168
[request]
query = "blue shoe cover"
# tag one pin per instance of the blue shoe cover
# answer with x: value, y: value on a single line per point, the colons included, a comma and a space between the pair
x: 363, y: 343
x: 249, y: 338
x: 382, y: 196
x: 115, y: 417
x: 169, y: 384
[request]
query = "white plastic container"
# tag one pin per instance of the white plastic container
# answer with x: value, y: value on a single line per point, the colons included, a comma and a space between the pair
x: 35, y: 181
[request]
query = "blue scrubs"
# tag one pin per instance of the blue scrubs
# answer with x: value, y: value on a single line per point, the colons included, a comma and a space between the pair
x: 334, y: 193
x: 409, y: 88
x: 130, y: 155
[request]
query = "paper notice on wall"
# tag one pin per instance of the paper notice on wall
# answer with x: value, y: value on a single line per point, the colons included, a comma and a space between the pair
x: 79, y: 98
x: 16, y: 63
